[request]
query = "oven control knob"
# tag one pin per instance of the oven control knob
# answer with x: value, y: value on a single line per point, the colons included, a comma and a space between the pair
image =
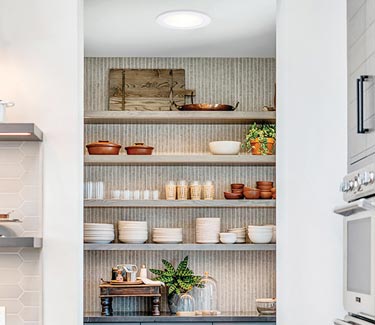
x: 344, y: 187
x: 356, y: 184
x: 351, y: 185
x: 365, y: 178
x: 372, y: 177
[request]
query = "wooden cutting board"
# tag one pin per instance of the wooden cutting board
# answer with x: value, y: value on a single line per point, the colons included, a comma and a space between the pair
x: 146, y: 89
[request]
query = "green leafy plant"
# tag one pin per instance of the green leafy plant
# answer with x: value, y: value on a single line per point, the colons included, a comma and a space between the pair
x: 179, y: 280
x: 260, y: 133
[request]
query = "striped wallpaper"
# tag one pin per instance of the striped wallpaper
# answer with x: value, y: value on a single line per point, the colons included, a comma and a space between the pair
x: 242, y: 276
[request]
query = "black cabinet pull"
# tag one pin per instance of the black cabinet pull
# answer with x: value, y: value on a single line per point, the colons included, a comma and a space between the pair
x: 360, y: 99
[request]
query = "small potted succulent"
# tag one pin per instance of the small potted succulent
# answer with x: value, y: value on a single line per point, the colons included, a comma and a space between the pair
x: 178, y: 281
x: 260, y: 139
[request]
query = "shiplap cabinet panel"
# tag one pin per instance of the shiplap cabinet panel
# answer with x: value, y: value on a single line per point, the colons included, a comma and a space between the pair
x: 361, y: 61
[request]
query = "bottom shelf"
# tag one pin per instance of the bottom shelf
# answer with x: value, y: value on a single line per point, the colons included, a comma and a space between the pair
x: 180, y: 247
x: 136, y: 317
x: 33, y: 242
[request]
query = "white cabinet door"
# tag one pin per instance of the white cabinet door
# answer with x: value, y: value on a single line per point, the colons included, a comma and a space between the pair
x: 361, y: 62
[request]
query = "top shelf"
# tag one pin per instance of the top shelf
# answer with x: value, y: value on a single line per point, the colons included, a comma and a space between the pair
x: 176, y: 117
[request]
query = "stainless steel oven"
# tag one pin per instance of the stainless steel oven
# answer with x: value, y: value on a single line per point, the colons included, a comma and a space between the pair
x: 359, y: 245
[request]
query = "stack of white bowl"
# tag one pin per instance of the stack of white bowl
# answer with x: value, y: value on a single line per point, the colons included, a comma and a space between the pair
x: 207, y: 230
x: 260, y: 234
x: 132, y: 232
x: 98, y: 233
x: 241, y: 234
x: 167, y: 235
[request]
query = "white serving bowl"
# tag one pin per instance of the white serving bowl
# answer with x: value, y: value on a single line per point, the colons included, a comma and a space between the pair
x: 228, y: 238
x: 225, y: 147
x: 260, y: 237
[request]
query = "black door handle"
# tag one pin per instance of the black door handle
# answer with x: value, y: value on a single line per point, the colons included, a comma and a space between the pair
x: 360, y: 98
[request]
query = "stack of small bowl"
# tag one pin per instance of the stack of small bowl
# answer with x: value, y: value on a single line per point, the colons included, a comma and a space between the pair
x: 98, y: 233
x: 207, y: 230
x: 167, y: 235
x: 265, y: 189
x: 241, y: 234
x: 236, y: 192
x: 260, y: 234
x: 133, y: 232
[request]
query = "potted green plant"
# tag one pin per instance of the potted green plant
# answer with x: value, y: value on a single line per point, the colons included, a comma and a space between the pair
x: 178, y: 281
x: 260, y: 139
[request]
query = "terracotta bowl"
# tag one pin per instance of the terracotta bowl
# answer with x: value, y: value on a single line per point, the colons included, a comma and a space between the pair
x: 103, y: 148
x: 274, y: 196
x: 233, y: 196
x: 273, y: 189
x: 254, y: 194
x: 237, y: 186
x: 264, y: 183
x: 237, y: 191
x: 265, y: 195
x: 247, y: 188
x: 139, y: 148
x: 264, y: 187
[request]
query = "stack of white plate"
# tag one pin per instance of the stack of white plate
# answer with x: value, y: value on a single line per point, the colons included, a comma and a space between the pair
x: 207, y: 230
x: 132, y: 232
x: 241, y: 234
x: 98, y: 233
x: 167, y: 235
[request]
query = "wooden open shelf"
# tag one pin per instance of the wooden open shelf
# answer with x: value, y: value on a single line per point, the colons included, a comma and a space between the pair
x: 177, y: 117
x: 175, y: 160
x: 180, y: 247
x: 180, y: 204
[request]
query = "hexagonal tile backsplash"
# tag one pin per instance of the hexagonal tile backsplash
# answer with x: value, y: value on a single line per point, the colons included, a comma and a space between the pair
x: 20, y: 269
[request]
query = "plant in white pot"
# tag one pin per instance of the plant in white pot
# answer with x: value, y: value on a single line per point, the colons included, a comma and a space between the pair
x: 178, y: 281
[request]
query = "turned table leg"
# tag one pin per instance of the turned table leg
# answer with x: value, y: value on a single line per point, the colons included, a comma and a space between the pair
x: 106, y: 306
x: 155, y: 306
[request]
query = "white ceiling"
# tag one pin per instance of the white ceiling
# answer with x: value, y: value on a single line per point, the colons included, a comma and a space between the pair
x: 239, y: 28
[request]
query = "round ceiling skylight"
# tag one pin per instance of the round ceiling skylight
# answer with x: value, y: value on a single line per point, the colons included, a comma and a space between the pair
x: 183, y: 19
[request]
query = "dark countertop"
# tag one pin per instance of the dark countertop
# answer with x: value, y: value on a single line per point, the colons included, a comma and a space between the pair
x: 123, y: 317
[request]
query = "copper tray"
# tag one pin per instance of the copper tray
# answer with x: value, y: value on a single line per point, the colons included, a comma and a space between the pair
x: 207, y: 107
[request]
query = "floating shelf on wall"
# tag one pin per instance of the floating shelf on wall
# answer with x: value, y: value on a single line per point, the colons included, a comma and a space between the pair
x: 175, y: 160
x: 20, y: 132
x: 180, y: 247
x: 177, y: 117
x: 33, y: 242
x: 180, y: 204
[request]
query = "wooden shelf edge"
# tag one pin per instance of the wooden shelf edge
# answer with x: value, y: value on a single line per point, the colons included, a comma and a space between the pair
x: 172, y: 160
x: 176, y: 117
x: 180, y: 204
x: 179, y: 247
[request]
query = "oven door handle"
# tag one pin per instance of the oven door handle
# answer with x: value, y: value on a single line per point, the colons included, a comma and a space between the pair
x: 351, y: 208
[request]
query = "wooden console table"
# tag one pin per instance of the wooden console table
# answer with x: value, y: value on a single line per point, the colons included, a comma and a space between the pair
x: 109, y: 291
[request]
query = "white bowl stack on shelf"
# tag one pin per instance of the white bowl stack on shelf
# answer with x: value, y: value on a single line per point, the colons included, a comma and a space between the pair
x: 167, y: 235
x: 132, y: 232
x: 98, y: 233
x: 241, y: 234
x: 207, y: 230
x: 260, y: 234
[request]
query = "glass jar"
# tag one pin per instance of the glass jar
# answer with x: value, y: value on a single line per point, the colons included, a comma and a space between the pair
x: 208, y: 190
x: 185, y: 305
x: 206, y: 297
x: 170, y: 190
x: 182, y: 190
x: 195, y: 190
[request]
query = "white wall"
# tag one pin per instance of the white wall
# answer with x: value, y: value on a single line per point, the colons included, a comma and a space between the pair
x: 41, y: 70
x: 311, y: 159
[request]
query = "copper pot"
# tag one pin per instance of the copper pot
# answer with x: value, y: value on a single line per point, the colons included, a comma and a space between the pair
x: 103, y: 148
x: 139, y: 148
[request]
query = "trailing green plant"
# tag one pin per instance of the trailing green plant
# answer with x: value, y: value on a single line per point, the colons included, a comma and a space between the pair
x: 261, y: 133
x: 179, y: 280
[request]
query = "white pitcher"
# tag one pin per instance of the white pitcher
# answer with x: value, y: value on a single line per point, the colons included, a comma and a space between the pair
x: 3, y: 105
